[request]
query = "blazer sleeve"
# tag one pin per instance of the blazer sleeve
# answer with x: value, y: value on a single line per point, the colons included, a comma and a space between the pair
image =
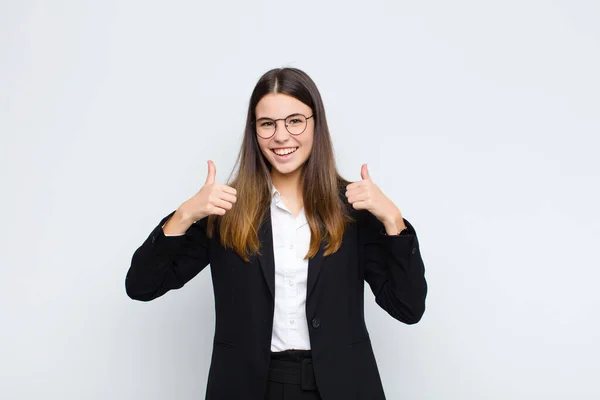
x: 163, y: 262
x: 394, y: 269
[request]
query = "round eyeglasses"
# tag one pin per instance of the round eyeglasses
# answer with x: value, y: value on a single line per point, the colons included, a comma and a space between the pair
x: 295, y: 124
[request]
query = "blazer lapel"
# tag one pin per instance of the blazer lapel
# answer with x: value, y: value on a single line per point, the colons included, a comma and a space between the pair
x: 267, y: 258
x: 314, y: 269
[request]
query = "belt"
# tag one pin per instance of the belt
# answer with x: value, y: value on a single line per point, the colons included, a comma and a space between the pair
x: 297, y: 372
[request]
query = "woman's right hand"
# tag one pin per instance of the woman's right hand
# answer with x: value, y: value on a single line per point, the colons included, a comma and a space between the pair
x: 213, y: 198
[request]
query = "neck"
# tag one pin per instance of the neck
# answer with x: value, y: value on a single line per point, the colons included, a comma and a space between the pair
x: 288, y: 184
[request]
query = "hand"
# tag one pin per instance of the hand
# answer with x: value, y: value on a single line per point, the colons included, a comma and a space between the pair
x: 365, y: 195
x: 213, y: 198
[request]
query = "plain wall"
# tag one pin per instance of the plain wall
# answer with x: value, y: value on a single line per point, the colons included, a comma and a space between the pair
x: 480, y: 120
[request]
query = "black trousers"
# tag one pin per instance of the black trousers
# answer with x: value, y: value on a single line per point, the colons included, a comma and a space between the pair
x: 291, y: 376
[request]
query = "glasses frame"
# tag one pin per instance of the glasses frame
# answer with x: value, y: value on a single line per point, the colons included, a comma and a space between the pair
x: 286, y: 125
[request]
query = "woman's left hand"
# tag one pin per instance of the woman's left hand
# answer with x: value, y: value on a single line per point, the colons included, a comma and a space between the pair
x: 365, y: 195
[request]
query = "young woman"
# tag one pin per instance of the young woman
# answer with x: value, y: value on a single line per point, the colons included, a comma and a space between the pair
x: 290, y: 244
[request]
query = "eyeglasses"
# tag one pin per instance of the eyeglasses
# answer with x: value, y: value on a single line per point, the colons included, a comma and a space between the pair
x: 295, y: 124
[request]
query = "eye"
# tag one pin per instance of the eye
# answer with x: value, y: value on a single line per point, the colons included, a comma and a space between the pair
x: 266, y: 123
x: 295, y: 121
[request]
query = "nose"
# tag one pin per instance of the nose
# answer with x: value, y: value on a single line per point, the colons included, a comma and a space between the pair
x: 281, y: 133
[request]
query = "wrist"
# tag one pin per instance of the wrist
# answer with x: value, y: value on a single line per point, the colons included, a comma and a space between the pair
x: 395, y: 224
x: 178, y: 224
x: 183, y: 216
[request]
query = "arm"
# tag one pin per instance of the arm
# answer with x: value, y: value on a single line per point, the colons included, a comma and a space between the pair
x: 394, y: 269
x: 164, y: 262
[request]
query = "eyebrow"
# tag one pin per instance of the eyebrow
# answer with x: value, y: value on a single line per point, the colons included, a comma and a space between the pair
x: 296, y: 113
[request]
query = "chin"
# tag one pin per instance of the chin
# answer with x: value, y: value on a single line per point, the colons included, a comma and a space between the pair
x: 287, y: 169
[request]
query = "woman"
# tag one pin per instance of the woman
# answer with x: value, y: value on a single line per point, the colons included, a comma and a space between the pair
x: 290, y: 244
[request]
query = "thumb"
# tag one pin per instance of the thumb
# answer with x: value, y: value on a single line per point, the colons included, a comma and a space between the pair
x: 212, y: 171
x: 364, y: 172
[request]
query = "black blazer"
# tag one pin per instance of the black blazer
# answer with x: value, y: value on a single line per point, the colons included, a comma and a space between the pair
x: 343, y: 359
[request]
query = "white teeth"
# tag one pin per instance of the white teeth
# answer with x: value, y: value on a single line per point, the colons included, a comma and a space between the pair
x: 283, y: 152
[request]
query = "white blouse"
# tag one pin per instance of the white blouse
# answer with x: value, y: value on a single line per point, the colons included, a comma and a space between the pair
x: 291, y: 240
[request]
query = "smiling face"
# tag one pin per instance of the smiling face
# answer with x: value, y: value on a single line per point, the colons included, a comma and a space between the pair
x: 297, y: 147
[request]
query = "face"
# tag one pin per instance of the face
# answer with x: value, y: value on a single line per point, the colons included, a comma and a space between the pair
x: 275, y: 106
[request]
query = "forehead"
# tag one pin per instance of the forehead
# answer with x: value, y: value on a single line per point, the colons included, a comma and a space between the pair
x: 279, y: 105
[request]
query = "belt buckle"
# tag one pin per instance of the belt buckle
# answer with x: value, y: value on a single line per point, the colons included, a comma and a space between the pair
x: 308, y: 381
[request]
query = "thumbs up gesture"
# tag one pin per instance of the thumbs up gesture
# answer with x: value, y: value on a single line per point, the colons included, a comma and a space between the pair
x: 366, y: 195
x: 213, y: 198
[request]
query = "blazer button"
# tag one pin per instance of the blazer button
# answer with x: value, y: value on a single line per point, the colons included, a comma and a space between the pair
x: 414, y: 250
x: 316, y: 323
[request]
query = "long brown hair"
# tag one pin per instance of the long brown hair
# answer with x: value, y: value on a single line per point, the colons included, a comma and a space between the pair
x: 323, y: 187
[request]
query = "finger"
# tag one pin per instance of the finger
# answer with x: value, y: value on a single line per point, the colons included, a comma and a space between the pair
x: 218, y: 210
x: 364, y: 172
x: 229, y: 189
x: 358, y: 197
x: 222, y: 204
x: 360, y: 205
x: 228, y: 197
x: 354, y: 185
x: 212, y: 172
x: 356, y: 189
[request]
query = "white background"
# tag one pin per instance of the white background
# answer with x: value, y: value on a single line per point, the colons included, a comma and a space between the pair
x: 480, y: 120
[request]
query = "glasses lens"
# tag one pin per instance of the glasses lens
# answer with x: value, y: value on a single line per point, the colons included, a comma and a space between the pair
x: 296, y: 124
x: 265, y: 127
